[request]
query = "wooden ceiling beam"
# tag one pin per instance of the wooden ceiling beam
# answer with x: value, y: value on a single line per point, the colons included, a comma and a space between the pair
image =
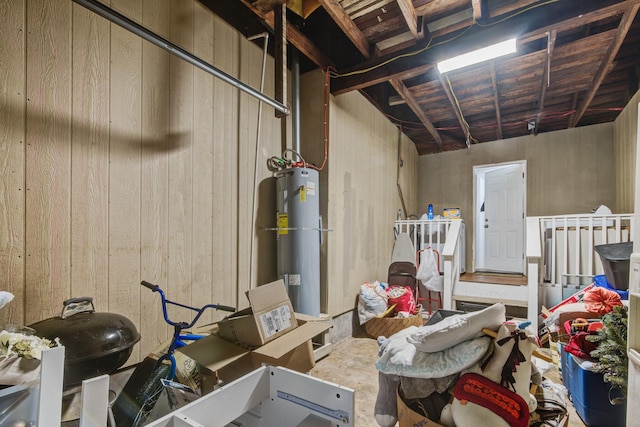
x: 436, y: 7
x: 605, y: 64
x: 401, y: 64
x: 411, y: 17
x: 280, y: 16
x: 361, y: 81
x: 461, y: 121
x: 295, y: 37
x: 346, y: 24
x: 580, y: 20
x: 405, y: 93
x: 496, y: 100
x: 476, y: 5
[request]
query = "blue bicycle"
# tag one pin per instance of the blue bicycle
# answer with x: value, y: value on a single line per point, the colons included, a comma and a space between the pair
x: 134, y: 404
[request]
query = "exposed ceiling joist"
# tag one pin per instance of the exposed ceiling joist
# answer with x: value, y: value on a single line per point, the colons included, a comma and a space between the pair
x: 410, y: 17
x: 605, y: 64
x: 339, y: 15
x: 416, y: 108
x: 295, y: 37
x: 402, y: 64
x: 280, y: 22
x: 576, y: 61
x: 476, y: 5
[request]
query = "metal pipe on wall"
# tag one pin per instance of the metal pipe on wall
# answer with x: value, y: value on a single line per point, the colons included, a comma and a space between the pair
x: 265, y: 47
x: 295, y: 116
x: 126, y: 23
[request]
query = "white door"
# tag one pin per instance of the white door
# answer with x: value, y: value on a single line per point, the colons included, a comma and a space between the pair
x: 504, y: 219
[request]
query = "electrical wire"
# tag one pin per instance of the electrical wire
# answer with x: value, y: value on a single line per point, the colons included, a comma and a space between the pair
x: 527, y: 9
x: 467, y: 129
x: 429, y: 45
x: 276, y: 163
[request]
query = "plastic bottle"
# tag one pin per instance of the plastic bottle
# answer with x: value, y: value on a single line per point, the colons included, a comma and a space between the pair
x: 430, y: 211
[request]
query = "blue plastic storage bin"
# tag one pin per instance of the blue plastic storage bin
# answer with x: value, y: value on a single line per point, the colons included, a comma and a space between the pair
x: 590, y: 395
x: 601, y: 281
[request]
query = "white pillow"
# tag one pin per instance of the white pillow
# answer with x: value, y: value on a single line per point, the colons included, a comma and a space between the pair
x: 458, y: 328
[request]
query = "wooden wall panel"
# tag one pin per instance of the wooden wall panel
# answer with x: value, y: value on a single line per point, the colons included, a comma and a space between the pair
x: 12, y: 156
x: 225, y: 167
x: 90, y: 161
x: 125, y: 167
x: 363, y: 198
x: 157, y: 146
x: 181, y: 100
x: 48, y: 158
x: 139, y: 166
x: 202, y: 258
x: 624, y: 147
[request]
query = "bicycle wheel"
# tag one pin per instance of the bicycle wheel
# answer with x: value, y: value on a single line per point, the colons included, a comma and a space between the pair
x: 149, y: 393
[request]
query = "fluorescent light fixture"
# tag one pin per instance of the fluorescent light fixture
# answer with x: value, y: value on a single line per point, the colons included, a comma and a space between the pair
x: 490, y: 52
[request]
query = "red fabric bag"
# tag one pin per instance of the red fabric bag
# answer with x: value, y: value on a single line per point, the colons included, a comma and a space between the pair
x: 580, y: 347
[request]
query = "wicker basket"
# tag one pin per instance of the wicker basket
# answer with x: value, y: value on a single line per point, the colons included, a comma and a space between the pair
x: 387, y: 326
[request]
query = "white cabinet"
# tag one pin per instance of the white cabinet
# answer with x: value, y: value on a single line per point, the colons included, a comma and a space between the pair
x: 633, y: 338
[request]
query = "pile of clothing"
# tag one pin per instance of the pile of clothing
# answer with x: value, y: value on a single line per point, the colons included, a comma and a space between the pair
x: 471, y: 369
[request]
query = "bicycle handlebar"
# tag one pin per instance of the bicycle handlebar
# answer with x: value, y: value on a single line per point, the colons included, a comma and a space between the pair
x: 151, y: 286
x: 226, y: 308
x: 182, y: 325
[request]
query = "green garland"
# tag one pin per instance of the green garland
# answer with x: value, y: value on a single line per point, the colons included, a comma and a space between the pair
x: 611, y: 353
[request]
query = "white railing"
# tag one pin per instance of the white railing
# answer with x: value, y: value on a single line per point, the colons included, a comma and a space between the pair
x: 568, y: 244
x: 534, y: 263
x: 447, y: 236
x: 425, y: 233
x: 451, y: 255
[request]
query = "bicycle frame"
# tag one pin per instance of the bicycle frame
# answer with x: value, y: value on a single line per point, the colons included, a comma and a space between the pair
x: 178, y: 338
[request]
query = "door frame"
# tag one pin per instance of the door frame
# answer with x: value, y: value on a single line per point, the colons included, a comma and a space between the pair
x: 479, y: 172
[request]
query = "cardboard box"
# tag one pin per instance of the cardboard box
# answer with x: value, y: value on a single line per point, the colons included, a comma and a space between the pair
x: 387, y: 326
x: 407, y: 417
x: 451, y: 213
x: 269, y: 316
x: 221, y: 360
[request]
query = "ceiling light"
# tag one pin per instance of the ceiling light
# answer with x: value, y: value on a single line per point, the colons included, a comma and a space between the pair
x: 490, y: 52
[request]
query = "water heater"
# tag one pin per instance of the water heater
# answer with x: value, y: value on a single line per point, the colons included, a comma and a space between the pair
x: 298, y: 237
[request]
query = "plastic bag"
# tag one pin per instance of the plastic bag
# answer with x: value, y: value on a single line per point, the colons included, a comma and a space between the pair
x: 402, y: 297
x: 371, y: 301
x: 428, y: 272
x: 5, y: 298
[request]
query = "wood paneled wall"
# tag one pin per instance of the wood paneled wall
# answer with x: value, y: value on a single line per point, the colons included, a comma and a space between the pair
x: 120, y: 162
x: 361, y: 197
x: 625, y: 130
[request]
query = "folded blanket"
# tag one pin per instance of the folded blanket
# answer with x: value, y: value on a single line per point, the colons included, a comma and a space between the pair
x: 402, y: 358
